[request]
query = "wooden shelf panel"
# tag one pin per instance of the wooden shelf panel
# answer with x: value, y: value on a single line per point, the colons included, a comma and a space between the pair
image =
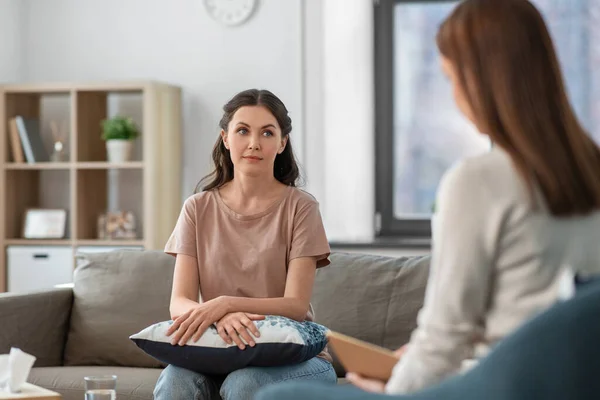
x: 36, y: 90
x: 101, y: 242
x: 78, y: 165
x: 38, y: 242
x: 67, y: 87
x: 92, y: 108
x: 91, y: 201
x: 107, y: 165
x: 71, y: 242
x: 38, y: 166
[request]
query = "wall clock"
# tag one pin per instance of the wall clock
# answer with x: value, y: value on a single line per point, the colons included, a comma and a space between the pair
x: 230, y: 12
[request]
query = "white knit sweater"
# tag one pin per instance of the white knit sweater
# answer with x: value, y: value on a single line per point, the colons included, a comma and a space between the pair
x: 495, y: 264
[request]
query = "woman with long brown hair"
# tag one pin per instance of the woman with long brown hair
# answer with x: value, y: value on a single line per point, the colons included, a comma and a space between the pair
x: 512, y: 220
x: 246, y: 244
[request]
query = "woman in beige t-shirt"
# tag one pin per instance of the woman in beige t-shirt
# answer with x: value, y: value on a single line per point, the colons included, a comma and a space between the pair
x: 246, y: 244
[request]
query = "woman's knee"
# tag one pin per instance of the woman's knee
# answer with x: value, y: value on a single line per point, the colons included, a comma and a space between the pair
x: 180, y: 383
x: 327, y: 374
x: 240, y: 385
x: 245, y: 383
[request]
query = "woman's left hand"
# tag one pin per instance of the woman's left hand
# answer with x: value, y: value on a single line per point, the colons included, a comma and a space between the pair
x: 238, y: 327
x: 366, y: 384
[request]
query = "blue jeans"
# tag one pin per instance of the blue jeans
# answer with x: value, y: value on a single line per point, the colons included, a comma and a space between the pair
x: 177, y: 383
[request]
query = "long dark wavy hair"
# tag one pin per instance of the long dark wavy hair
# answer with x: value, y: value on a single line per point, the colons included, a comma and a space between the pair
x: 285, y: 169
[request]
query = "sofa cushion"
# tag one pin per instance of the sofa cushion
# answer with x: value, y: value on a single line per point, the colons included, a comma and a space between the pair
x: 132, y: 383
x: 282, y: 341
x: 36, y: 323
x: 373, y: 298
x: 116, y: 294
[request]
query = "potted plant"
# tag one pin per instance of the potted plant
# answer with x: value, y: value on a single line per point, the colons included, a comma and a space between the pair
x: 119, y: 133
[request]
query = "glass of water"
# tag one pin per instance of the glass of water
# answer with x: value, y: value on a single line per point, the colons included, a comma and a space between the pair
x: 101, y: 387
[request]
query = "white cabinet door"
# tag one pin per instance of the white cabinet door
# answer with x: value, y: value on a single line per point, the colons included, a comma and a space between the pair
x: 38, y: 267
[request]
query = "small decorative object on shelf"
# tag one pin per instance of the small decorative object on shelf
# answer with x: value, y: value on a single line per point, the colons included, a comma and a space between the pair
x: 119, y: 133
x: 59, y: 137
x: 44, y: 223
x: 116, y: 225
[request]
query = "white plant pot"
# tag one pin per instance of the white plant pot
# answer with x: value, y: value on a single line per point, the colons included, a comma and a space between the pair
x: 119, y: 150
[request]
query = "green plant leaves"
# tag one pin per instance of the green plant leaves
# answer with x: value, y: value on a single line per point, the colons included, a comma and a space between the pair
x: 119, y: 127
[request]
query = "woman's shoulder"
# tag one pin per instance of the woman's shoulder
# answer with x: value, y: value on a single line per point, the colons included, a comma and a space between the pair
x: 486, y: 167
x: 300, y: 198
x: 490, y: 174
x: 199, y: 200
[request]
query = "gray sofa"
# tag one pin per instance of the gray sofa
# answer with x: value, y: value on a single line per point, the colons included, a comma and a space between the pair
x: 84, y: 331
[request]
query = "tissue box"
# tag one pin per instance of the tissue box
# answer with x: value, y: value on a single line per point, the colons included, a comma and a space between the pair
x: 29, y: 391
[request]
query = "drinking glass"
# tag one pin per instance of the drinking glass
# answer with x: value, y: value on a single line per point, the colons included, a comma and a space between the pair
x: 101, y: 387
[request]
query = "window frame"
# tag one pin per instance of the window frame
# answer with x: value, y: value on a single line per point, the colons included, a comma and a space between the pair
x: 387, y: 225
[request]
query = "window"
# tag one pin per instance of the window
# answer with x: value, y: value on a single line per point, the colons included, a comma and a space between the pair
x: 420, y: 132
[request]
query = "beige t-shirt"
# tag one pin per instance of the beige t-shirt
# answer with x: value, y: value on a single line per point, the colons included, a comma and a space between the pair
x: 248, y: 255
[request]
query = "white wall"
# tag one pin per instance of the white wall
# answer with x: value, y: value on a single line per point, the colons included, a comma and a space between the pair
x: 315, y: 54
x: 314, y: 58
x: 349, y: 128
x: 10, y: 40
x: 174, y: 41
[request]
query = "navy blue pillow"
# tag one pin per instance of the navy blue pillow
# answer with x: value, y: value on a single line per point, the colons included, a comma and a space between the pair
x: 282, y: 341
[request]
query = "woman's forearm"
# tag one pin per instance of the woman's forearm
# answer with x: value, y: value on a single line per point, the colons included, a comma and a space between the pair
x: 292, y: 308
x: 181, y: 305
x: 289, y: 307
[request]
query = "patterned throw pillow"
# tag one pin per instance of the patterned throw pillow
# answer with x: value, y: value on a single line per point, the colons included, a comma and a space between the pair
x: 282, y: 341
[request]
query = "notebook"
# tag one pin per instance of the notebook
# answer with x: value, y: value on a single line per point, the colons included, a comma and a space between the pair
x: 363, y: 358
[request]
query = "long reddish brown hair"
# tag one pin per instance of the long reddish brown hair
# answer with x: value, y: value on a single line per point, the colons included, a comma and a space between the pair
x: 509, y: 72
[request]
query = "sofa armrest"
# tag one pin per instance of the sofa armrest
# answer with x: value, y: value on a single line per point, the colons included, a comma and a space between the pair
x: 37, y: 323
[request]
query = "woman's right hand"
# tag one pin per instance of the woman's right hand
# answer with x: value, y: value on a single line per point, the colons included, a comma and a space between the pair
x: 193, y: 323
x: 239, y: 324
